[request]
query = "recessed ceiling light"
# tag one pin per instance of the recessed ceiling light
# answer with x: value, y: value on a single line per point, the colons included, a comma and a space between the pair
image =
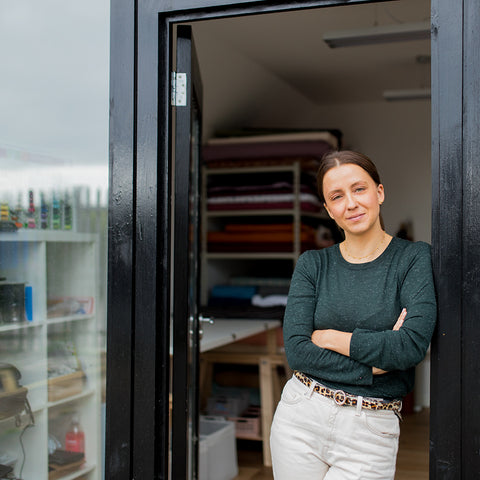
x: 407, y: 94
x: 401, y: 32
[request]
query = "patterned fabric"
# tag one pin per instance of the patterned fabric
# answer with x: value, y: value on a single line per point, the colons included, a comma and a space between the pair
x: 342, y: 398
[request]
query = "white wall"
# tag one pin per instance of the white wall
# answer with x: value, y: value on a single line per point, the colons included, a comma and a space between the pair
x: 237, y: 91
x: 396, y: 136
x: 240, y: 92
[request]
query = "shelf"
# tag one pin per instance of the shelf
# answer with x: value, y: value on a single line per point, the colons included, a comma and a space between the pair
x: 12, y: 419
x: 69, y: 318
x: 218, y: 265
x: 73, y: 398
x: 58, y: 265
x: 46, y: 236
x: 20, y: 326
x: 77, y: 473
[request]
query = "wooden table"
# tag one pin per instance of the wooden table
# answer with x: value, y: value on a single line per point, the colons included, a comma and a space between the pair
x: 224, y: 332
x: 218, y: 346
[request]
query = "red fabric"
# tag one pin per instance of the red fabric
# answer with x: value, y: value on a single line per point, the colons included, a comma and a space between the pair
x: 263, y: 247
x: 242, y: 151
x: 306, y: 206
x: 274, y: 227
x: 307, y: 164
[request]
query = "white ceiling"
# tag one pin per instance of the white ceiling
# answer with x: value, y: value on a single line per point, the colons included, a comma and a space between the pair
x: 290, y: 47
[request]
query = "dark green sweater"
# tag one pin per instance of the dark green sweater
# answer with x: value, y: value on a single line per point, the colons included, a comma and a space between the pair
x: 328, y: 292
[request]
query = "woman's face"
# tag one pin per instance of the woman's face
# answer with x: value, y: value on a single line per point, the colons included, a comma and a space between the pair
x: 352, y: 198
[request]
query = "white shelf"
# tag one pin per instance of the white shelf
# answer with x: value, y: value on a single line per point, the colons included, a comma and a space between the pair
x: 20, y: 326
x: 34, y: 235
x: 69, y: 318
x: 73, y: 398
x: 56, y: 264
x: 78, y: 473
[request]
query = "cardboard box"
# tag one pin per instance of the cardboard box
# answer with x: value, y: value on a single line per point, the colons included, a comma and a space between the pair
x: 65, y: 386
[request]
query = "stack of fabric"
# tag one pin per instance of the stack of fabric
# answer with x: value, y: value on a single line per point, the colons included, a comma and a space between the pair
x: 277, y: 195
x: 249, y: 297
x: 232, y: 295
x: 259, y: 147
x: 259, y: 238
x: 262, y: 210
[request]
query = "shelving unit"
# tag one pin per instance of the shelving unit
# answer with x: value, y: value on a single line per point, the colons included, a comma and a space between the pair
x: 56, y: 264
x: 211, y: 219
x: 217, y: 268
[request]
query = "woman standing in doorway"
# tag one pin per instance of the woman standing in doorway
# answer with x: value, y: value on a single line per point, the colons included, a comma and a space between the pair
x: 359, y: 318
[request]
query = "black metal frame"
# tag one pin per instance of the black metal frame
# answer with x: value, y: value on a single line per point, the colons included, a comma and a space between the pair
x: 138, y: 302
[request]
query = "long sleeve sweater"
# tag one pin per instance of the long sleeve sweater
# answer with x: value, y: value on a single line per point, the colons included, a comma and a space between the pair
x: 327, y: 292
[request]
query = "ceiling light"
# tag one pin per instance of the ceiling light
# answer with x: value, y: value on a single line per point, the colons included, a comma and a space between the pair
x: 400, y: 32
x: 407, y: 94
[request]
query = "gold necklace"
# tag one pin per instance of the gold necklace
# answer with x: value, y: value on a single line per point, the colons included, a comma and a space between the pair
x: 366, y: 256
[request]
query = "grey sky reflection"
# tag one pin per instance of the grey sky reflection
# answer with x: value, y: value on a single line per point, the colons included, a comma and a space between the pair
x: 53, y: 88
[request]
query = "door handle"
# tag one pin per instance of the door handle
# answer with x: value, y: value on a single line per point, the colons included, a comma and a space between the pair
x: 201, y: 320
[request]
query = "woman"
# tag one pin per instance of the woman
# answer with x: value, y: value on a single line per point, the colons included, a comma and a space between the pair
x: 359, y: 318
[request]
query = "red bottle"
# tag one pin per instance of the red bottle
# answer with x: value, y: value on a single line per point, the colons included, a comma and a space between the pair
x: 75, y: 438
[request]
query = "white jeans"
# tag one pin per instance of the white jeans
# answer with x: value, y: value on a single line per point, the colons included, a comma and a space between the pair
x: 313, y: 438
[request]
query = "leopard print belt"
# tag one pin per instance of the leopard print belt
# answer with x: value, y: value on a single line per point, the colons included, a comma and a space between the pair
x: 342, y: 398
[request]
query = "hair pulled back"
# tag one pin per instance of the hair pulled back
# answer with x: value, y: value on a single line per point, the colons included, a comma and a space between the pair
x: 342, y: 157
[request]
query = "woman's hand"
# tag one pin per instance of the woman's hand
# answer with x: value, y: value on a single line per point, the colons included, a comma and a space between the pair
x: 339, y: 342
x: 400, y: 320
x: 396, y: 327
x: 334, y: 340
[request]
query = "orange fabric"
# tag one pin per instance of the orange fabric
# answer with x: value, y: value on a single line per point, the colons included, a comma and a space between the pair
x: 256, y: 237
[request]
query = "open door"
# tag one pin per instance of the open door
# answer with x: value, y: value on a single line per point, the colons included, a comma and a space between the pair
x: 186, y: 95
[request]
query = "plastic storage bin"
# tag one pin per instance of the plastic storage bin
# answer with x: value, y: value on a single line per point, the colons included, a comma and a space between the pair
x: 247, y: 426
x: 226, y: 406
x: 217, y: 449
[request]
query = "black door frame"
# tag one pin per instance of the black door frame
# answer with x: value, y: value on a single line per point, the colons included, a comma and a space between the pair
x: 454, y: 420
x: 139, y: 295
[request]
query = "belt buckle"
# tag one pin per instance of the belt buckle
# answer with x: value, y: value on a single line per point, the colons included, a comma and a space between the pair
x: 343, y: 397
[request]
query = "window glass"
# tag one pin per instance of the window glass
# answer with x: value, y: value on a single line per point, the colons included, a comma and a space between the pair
x: 53, y: 247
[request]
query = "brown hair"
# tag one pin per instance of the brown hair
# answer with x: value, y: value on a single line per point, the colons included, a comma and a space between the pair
x: 342, y: 157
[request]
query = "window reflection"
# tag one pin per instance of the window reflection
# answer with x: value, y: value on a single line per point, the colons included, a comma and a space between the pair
x: 53, y: 238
